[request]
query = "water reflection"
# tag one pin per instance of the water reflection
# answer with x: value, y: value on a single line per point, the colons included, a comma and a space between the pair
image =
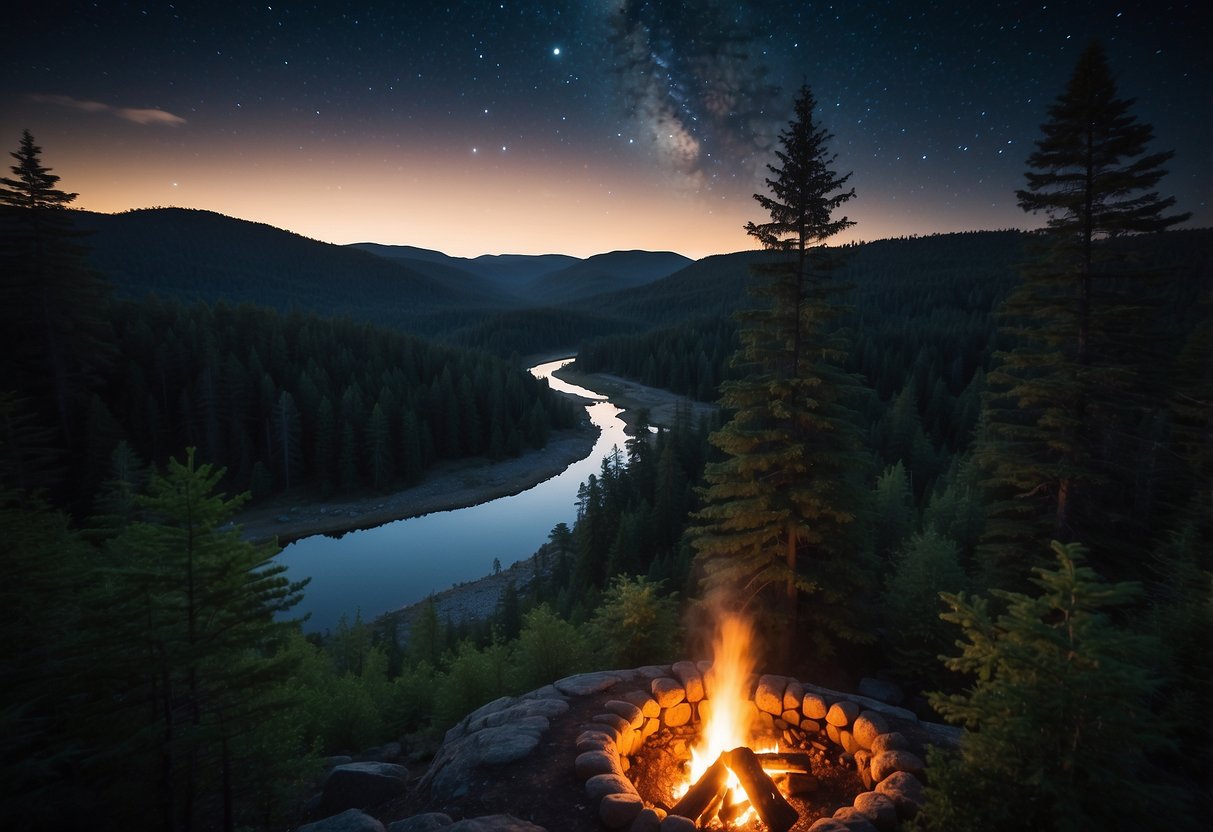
x: 380, y: 569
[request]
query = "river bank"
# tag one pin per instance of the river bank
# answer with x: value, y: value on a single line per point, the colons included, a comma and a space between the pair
x: 450, y: 486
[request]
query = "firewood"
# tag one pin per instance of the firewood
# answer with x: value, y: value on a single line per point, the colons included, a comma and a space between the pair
x: 785, y: 763
x: 733, y: 811
x: 776, y: 813
x: 703, y: 794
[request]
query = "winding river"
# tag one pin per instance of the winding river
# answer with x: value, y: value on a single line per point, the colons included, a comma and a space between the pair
x: 376, y: 570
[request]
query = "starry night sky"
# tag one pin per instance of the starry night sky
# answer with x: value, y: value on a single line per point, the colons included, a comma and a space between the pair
x: 578, y: 127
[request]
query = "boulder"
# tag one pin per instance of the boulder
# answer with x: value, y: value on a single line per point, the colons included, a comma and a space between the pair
x: 892, y: 741
x: 692, y: 681
x: 351, y: 820
x: 768, y: 696
x: 680, y: 714
x: 596, y: 762
x: 793, y: 696
x: 647, y: 821
x: 867, y: 726
x: 677, y: 823
x: 814, y: 706
x: 887, y: 762
x: 646, y: 703
x: 829, y: 825
x: 668, y: 692
x: 627, y: 710
x: 853, y: 819
x: 882, y: 690
x: 428, y: 822
x: 600, y: 785
x: 906, y: 792
x: 619, y: 810
x: 842, y: 713
x: 877, y: 808
x: 362, y: 785
x: 585, y: 684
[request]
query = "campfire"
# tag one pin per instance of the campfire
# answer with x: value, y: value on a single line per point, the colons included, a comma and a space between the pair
x: 723, y: 750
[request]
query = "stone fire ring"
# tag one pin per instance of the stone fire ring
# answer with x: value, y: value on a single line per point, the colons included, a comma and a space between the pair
x: 510, y: 728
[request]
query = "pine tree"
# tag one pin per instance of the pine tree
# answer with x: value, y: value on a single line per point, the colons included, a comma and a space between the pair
x: 791, y: 445
x: 53, y: 330
x: 1059, y: 713
x: 1057, y: 407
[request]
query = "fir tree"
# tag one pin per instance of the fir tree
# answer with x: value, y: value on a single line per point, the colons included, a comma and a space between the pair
x: 791, y: 445
x: 1059, y: 721
x: 1061, y: 398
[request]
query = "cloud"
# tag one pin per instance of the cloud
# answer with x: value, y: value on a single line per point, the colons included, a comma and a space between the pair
x: 137, y: 115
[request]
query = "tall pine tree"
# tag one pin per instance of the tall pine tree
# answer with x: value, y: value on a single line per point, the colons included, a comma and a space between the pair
x: 791, y: 446
x: 1063, y: 398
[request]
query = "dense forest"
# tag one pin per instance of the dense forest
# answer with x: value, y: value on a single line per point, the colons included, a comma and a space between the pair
x: 976, y: 465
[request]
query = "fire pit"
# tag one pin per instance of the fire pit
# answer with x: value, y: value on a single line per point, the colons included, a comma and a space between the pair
x: 714, y: 747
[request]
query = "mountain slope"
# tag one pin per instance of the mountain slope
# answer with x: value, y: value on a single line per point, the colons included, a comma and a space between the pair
x: 613, y: 271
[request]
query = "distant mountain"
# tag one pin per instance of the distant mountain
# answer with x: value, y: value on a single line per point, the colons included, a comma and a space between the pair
x: 201, y: 255
x: 611, y: 272
x: 546, y: 279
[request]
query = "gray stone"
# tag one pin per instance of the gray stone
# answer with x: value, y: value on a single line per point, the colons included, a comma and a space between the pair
x: 814, y: 706
x: 945, y: 736
x: 887, y: 762
x: 450, y: 772
x: 618, y: 810
x: 597, y: 741
x: 668, y: 692
x: 828, y: 825
x: 428, y: 822
x: 647, y: 821
x: 627, y: 710
x: 842, y: 713
x: 853, y: 819
x: 906, y: 792
x: 600, y: 785
x: 351, y: 820
x: 517, y: 710
x: 867, y: 726
x: 877, y: 808
x: 362, y: 785
x: 680, y: 714
x: 494, y: 823
x: 338, y: 760
x: 596, y: 762
x: 585, y: 684
x: 692, y: 681
x: 768, y: 696
x: 892, y: 741
x: 614, y: 721
x: 653, y: 671
x: 677, y: 823
x: 882, y: 690
x: 882, y: 708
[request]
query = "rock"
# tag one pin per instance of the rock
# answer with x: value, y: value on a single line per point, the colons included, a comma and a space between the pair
x: 882, y: 690
x: 647, y: 704
x: 832, y: 733
x: 680, y: 714
x: 872, y: 704
x: 828, y: 825
x: 853, y: 819
x: 810, y: 726
x: 428, y: 822
x: 867, y: 726
x: 494, y: 823
x: 877, y: 808
x: 618, y: 810
x: 692, y: 681
x: 791, y: 718
x: 704, y: 708
x: 793, y: 696
x: 600, y: 785
x: 768, y: 696
x: 945, y: 736
x: 627, y: 710
x: 906, y: 792
x: 647, y: 821
x: 338, y: 760
x: 650, y: 727
x: 814, y: 706
x: 677, y: 823
x: 887, y: 762
x: 653, y: 671
x: 351, y: 820
x: 450, y: 773
x: 848, y: 742
x: 842, y: 713
x: 596, y: 762
x: 614, y: 721
x: 585, y: 684
x: 597, y: 741
x: 517, y: 710
x: 362, y: 785
x: 892, y: 741
x: 667, y: 692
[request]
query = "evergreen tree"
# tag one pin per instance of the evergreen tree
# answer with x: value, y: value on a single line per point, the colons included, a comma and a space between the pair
x: 1059, y: 719
x: 53, y: 330
x: 1057, y: 421
x: 791, y: 446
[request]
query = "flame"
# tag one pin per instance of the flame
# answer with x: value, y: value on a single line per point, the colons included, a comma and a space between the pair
x: 728, y: 724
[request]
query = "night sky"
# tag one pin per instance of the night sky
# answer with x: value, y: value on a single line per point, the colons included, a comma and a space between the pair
x: 578, y: 127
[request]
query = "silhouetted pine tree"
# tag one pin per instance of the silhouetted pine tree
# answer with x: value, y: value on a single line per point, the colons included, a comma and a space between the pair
x: 791, y: 447
x: 1064, y: 398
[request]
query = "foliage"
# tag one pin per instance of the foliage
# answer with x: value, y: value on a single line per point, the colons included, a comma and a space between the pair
x: 635, y: 624
x: 1060, y: 729
x: 1065, y: 398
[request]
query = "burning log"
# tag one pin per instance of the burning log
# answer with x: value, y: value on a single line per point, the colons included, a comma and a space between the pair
x: 776, y: 813
x: 705, y: 793
x: 785, y: 763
